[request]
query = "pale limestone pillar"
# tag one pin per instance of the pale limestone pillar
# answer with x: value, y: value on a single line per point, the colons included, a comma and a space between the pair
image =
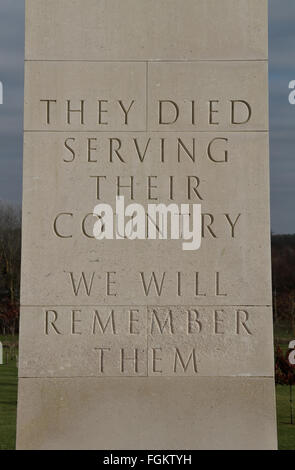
x: 139, y: 344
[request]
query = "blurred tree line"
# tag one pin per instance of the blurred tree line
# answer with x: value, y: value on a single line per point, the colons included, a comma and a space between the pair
x: 283, y: 279
x: 10, y: 257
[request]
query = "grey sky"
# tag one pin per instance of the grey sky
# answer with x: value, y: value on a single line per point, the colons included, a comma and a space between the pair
x: 11, y: 120
x: 282, y: 114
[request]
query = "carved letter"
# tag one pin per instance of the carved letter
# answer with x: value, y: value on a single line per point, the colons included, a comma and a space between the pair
x: 176, y: 111
x: 51, y: 322
x: 82, y: 280
x: 109, y: 322
x: 242, y: 323
x: 233, y: 111
x: 167, y: 323
x: 153, y: 280
x: 178, y: 358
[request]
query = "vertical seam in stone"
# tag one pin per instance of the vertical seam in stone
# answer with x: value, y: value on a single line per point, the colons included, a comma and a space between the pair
x: 146, y: 94
x: 147, y: 340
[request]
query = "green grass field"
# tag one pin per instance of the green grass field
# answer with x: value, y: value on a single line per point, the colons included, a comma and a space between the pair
x: 8, y: 398
x: 286, y: 431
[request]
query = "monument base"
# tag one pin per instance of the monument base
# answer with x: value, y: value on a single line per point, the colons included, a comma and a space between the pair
x: 147, y: 413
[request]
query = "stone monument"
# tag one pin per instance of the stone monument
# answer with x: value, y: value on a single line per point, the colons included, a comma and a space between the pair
x: 139, y: 343
x: 1, y: 354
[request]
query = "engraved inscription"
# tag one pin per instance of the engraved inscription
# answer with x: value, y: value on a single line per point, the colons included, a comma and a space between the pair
x: 122, y: 302
x: 141, y: 341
